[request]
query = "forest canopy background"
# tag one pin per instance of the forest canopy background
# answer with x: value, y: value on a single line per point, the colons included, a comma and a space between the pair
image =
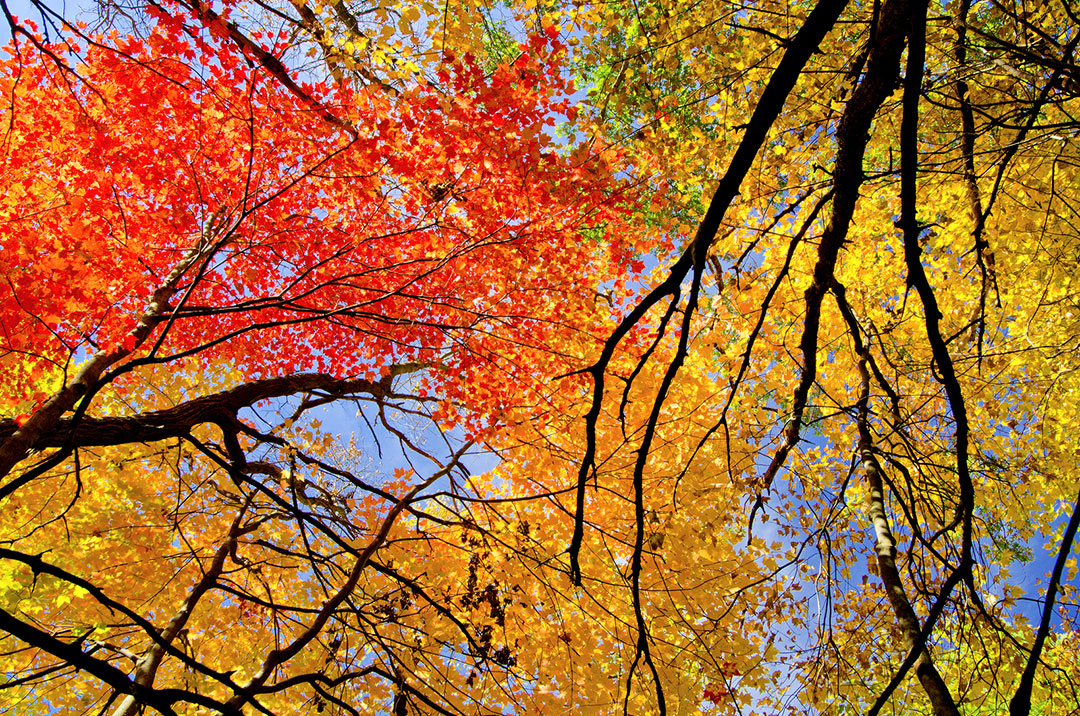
x: 767, y: 312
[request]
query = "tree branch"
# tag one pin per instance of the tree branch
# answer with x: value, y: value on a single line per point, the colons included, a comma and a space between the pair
x: 178, y: 421
x: 1020, y: 705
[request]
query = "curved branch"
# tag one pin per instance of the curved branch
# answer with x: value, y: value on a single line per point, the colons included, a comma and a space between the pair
x: 178, y: 421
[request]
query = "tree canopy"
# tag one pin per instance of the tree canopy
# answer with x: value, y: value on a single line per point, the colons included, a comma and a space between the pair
x: 539, y: 357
